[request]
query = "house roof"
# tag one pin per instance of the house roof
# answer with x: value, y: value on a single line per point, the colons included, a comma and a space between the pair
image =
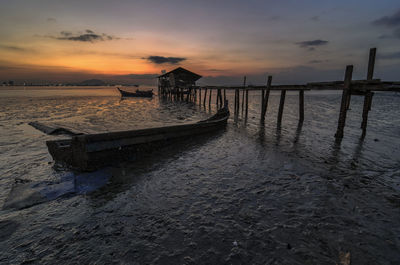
x: 181, y: 70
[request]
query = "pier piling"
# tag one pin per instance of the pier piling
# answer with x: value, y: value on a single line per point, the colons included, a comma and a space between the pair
x: 301, y: 105
x: 247, y: 102
x: 237, y: 102
x: 220, y: 97
x: 368, y: 95
x: 266, y: 98
x: 364, y: 88
x: 200, y: 96
x: 234, y: 104
x: 224, y: 95
x: 281, y: 105
x: 343, y: 106
x: 262, y: 102
x: 244, y: 87
x: 205, y: 97
x: 209, y: 99
x: 217, y: 98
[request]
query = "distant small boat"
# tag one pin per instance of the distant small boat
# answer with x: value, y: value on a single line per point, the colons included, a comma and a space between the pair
x: 138, y: 93
x: 91, y: 151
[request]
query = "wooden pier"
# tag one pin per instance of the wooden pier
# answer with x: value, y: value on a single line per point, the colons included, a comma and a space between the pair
x: 348, y: 87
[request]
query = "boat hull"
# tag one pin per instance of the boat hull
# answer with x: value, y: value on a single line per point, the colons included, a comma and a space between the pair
x: 137, y: 94
x: 93, y: 151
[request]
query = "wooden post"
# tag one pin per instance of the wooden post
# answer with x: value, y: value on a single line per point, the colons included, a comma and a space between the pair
x: 264, y: 111
x: 371, y: 63
x: 247, y: 102
x: 200, y: 96
x: 301, y: 105
x: 224, y: 95
x: 343, y: 105
x: 220, y: 97
x: 366, y: 109
x: 205, y: 96
x: 348, y: 99
x: 262, y: 101
x: 244, y: 86
x: 237, y: 95
x: 209, y: 100
x: 368, y: 96
x: 216, y: 99
x: 281, y: 105
x: 235, y: 102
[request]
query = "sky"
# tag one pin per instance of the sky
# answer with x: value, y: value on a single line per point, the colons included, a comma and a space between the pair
x: 294, y: 41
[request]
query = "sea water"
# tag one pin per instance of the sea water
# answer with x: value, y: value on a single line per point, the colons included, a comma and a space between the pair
x: 250, y: 194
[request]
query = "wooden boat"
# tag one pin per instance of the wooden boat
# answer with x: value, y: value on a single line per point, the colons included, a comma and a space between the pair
x: 91, y: 151
x: 138, y: 93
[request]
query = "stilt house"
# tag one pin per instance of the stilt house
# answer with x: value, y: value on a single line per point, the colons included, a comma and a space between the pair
x: 178, y: 80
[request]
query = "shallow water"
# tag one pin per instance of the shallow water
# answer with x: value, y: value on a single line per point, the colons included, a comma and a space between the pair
x: 250, y: 194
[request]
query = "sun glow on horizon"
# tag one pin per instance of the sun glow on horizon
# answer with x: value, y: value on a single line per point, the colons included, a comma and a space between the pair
x: 42, y: 39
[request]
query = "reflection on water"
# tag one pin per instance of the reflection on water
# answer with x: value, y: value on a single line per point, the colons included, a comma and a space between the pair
x: 253, y: 194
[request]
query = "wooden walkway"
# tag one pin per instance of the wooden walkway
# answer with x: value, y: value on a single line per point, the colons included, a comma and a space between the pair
x: 348, y: 87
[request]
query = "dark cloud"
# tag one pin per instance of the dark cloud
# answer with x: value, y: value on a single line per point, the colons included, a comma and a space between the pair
x: 315, y: 18
x: 87, y: 36
x: 13, y: 48
x: 51, y: 20
x: 389, y: 21
x: 274, y: 18
x: 311, y: 44
x: 162, y: 59
x: 111, y: 54
x: 66, y: 33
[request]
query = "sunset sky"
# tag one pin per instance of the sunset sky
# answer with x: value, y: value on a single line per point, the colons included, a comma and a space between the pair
x: 296, y: 41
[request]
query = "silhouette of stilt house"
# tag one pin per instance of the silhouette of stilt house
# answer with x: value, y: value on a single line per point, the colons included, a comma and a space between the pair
x: 177, y: 82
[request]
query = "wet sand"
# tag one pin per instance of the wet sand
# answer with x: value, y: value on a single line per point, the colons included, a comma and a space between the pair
x: 251, y: 194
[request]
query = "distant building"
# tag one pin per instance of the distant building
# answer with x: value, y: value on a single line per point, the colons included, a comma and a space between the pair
x: 177, y: 80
